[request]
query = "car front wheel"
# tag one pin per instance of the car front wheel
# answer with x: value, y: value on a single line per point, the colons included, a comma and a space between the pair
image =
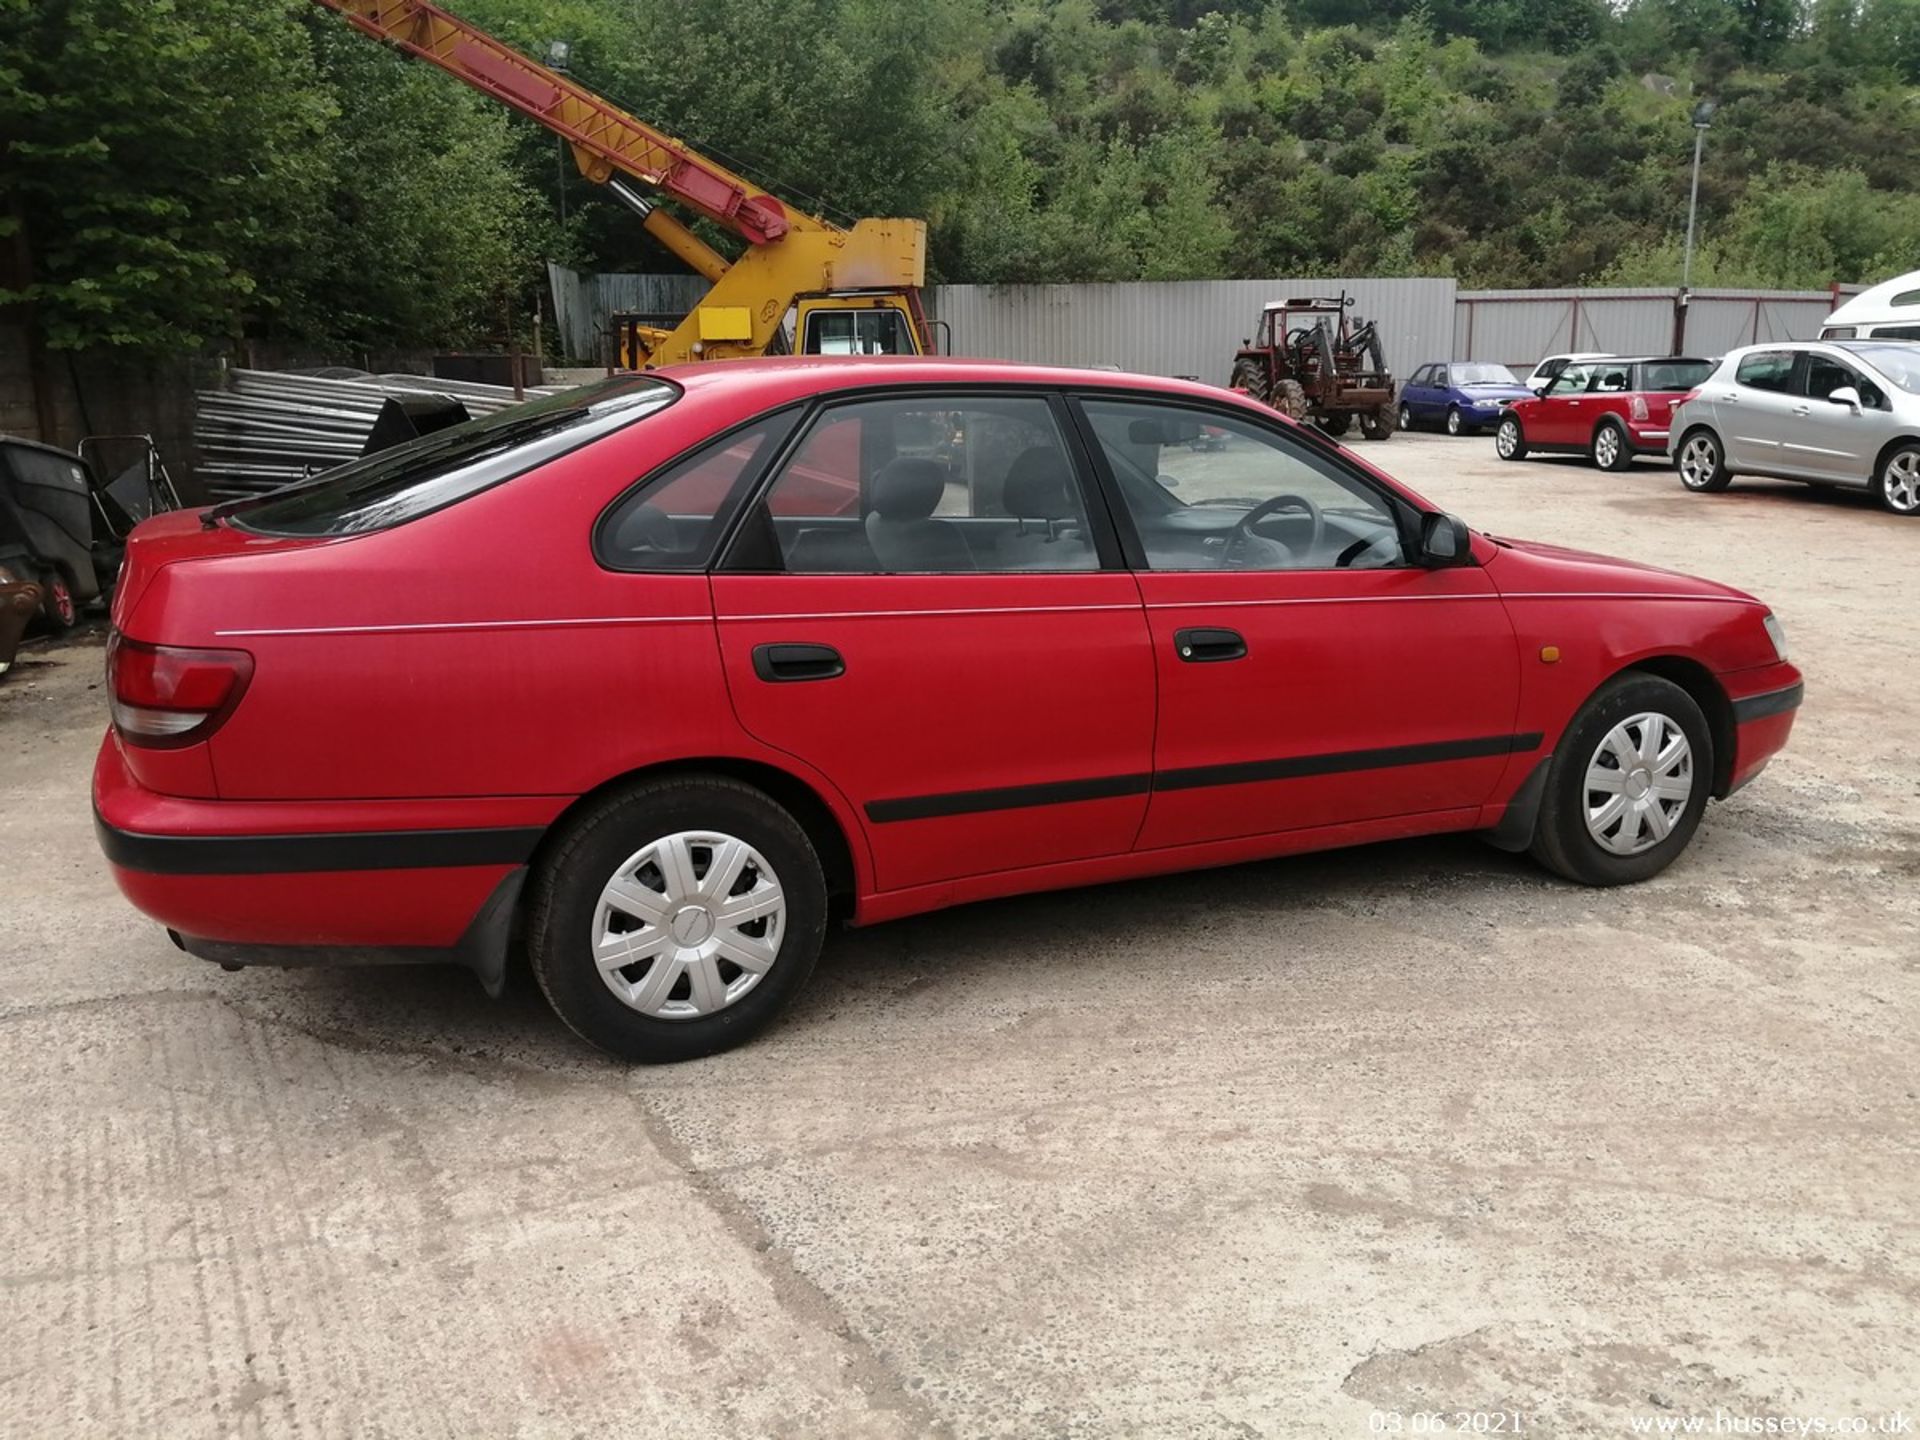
x: 1508, y: 441
x: 1703, y: 469
x: 1897, y: 486
x: 677, y: 918
x: 1453, y: 420
x: 1627, y: 784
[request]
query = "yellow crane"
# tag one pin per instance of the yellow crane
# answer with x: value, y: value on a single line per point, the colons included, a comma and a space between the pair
x: 852, y: 290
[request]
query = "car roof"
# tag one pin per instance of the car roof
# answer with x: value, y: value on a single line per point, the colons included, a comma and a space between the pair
x: 779, y: 378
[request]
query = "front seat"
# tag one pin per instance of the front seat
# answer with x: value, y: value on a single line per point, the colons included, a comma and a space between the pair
x: 900, y: 526
x: 1038, y: 493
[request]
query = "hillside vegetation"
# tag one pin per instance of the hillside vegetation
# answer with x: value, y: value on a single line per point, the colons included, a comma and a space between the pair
x: 190, y: 169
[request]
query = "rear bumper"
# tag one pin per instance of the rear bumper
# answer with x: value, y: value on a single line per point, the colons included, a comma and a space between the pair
x: 289, y: 882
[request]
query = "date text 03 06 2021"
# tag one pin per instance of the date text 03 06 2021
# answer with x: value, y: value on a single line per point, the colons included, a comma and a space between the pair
x: 1446, y: 1422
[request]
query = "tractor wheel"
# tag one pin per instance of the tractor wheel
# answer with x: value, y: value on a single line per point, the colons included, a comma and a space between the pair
x: 1379, y: 424
x: 1290, y: 399
x: 1251, y: 376
x: 1336, y: 424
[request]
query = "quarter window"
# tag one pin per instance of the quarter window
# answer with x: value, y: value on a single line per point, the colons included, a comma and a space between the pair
x: 1767, y: 370
x: 1208, y: 491
x: 672, y: 521
x: 930, y: 485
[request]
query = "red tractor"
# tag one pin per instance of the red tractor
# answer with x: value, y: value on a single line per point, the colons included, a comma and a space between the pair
x: 1308, y: 360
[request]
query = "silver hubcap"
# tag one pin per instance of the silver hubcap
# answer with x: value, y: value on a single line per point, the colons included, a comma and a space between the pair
x: 1638, y: 783
x: 1507, y: 439
x: 1697, y: 461
x: 689, y: 925
x: 1406, y: 418
x: 1453, y: 422
x: 1606, y: 448
x: 1902, y: 481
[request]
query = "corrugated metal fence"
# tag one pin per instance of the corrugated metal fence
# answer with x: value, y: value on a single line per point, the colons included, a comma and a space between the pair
x: 1192, y: 327
x: 1179, y: 327
x: 1517, y: 327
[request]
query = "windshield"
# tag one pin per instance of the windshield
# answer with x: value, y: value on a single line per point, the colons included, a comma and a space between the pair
x: 437, y: 470
x: 1899, y: 363
x: 1483, y: 375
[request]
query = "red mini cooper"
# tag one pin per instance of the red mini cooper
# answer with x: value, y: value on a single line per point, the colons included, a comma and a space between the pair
x: 1611, y: 409
x: 656, y: 677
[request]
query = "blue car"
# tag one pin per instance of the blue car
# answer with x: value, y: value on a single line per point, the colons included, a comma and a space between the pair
x: 1462, y: 396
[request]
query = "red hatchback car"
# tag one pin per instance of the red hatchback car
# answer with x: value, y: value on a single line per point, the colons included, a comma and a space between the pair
x: 654, y: 677
x: 1611, y: 410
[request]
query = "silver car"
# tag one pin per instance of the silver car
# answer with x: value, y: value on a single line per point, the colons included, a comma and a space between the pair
x: 1838, y: 412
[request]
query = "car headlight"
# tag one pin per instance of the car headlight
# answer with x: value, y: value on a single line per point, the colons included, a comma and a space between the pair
x: 1777, y: 633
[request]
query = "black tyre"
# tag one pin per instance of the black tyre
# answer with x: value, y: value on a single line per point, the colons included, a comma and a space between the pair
x: 1611, y: 449
x: 1627, y: 784
x: 1702, y: 463
x: 677, y: 918
x: 1251, y: 376
x: 1379, y: 424
x: 1453, y: 420
x: 1290, y: 399
x: 57, y: 605
x: 1406, y: 418
x: 1336, y: 424
x: 1509, y: 440
x: 1896, y: 484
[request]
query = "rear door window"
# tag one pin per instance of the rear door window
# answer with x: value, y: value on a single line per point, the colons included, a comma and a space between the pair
x: 448, y: 466
x: 1766, y: 370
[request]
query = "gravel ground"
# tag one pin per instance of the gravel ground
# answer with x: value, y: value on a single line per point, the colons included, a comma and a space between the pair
x: 1278, y: 1150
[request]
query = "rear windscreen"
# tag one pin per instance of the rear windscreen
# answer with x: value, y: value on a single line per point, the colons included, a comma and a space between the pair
x: 447, y: 466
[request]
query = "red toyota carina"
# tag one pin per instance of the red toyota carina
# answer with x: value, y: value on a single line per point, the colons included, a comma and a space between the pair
x: 655, y: 677
x: 1610, y: 410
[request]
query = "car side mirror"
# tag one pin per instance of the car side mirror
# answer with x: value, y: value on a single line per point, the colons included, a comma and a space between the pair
x: 1539, y: 389
x: 1444, y: 542
x: 1845, y: 395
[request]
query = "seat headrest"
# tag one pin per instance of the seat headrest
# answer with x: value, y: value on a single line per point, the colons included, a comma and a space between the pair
x: 908, y: 488
x: 1039, y: 485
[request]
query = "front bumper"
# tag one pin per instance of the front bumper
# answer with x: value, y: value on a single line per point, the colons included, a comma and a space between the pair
x: 1765, y: 703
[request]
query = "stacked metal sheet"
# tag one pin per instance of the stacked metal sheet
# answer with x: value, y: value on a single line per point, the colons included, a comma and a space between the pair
x: 271, y: 427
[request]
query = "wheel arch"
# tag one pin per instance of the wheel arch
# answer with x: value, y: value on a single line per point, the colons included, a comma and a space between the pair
x: 800, y: 799
x: 1886, y: 452
x: 1700, y: 683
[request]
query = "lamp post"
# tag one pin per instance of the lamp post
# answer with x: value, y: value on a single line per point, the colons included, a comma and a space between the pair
x: 1702, y: 118
x: 559, y: 56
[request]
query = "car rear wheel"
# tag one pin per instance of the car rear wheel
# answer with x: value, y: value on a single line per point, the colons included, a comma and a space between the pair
x: 1611, y: 450
x: 677, y: 918
x: 1897, y: 486
x: 1453, y: 420
x: 1626, y: 785
x: 1406, y: 418
x: 1702, y: 467
x: 1509, y: 441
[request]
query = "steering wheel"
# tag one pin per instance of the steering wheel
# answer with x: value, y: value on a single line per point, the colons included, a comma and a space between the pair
x: 1243, y: 532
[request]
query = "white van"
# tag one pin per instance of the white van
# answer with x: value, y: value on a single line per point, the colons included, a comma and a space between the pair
x: 1886, y: 312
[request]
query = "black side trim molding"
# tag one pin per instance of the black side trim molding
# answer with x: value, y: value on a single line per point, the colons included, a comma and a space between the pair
x: 293, y: 854
x: 1018, y: 797
x: 1774, y: 702
x: 1013, y: 797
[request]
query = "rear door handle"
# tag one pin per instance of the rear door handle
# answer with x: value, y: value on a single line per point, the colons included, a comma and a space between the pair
x: 788, y: 663
x: 1208, y: 646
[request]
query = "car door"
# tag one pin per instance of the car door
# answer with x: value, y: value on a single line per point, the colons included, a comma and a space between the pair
x: 1308, y: 675
x: 1557, y: 419
x: 921, y: 608
x: 1756, y: 414
x: 1838, y: 442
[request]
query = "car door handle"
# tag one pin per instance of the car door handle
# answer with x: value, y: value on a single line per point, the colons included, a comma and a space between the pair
x: 1207, y: 646
x: 788, y: 663
x: 1732, y: 397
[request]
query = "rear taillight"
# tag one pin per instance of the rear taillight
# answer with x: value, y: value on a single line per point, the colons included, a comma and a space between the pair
x: 1637, y: 407
x: 164, y: 696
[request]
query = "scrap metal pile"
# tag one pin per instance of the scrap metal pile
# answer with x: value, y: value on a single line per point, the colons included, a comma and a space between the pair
x: 269, y: 427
